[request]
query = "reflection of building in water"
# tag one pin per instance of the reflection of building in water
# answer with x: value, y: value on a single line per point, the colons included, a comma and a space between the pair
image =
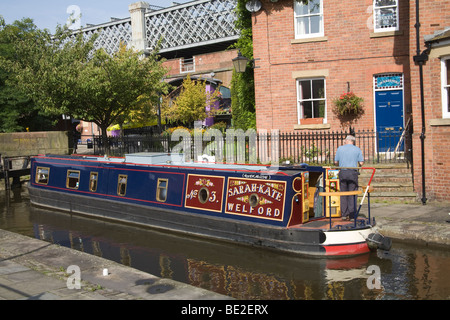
x: 96, y: 249
x: 44, y: 234
x: 207, y: 276
x: 236, y: 282
x: 76, y: 242
x: 428, y: 271
x: 164, y: 264
x: 125, y: 258
x: 251, y: 285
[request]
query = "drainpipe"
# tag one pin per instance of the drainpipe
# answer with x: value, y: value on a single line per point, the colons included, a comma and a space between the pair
x: 420, y: 59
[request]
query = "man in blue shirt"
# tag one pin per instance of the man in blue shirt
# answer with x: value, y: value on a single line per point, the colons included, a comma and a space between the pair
x: 348, y: 156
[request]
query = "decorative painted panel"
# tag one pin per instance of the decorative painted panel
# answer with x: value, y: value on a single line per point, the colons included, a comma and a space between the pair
x: 204, y: 192
x: 256, y: 198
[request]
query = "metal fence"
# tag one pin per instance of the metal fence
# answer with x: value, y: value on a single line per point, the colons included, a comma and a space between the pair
x: 314, y: 147
x: 320, y: 147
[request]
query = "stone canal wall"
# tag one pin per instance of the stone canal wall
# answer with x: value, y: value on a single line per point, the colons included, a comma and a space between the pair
x: 33, y: 143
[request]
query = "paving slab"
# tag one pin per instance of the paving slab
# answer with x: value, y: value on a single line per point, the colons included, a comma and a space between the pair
x: 429, y: 223
x: 36, y: 270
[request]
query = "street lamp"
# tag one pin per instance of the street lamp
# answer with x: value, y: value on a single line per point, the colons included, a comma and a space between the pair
x: 240, y: 63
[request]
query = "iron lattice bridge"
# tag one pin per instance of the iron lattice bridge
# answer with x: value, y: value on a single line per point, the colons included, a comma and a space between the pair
x: 188, y: 25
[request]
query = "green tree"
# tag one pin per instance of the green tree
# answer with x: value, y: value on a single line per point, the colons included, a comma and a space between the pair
x: 17, y: 111
x: 117, y: 87
x: 63, y: 74
x: 191, y: 103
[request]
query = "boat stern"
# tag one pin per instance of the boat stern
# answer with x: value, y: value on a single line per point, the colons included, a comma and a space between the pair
x: 347, y: 242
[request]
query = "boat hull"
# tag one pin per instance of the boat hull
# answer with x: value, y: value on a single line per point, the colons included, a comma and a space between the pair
x: 312, y: 242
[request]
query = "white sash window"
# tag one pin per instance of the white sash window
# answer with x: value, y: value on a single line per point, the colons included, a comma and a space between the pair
x: 311, y: 101
x: 385, y: 14
x: 308, y: 19
x: 445, y: 80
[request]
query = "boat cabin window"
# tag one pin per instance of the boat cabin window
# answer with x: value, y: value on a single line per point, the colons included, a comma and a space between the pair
x: 42, y: 175
x: 122, y: 184
x: 93, y: 179
x: 73, y: 179
x: 161, y: 190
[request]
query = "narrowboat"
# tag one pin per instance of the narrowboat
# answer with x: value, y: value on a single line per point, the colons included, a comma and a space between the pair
x: 293, y: 209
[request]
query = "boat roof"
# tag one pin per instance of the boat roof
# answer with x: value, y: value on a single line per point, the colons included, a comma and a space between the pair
x: 178, y: 160
x: 204, y: 161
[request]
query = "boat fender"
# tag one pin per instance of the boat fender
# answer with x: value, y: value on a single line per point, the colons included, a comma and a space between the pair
x: 378, y: 241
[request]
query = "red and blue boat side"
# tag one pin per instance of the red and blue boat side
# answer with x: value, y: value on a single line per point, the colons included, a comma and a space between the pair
x: 241, y: 203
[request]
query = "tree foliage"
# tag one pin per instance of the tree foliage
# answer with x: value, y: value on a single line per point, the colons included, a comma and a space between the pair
x: 63, y: 74
x: 193, y: 103
x: 17, y: 111
x: 242, y: 85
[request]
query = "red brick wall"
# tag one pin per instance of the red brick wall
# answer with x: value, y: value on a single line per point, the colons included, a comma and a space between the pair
x: 434, y: 16
x: 349, y: 54
x: 218, y: 62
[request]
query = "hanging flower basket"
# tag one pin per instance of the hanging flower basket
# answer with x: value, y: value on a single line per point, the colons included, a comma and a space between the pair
x: 348, y: 104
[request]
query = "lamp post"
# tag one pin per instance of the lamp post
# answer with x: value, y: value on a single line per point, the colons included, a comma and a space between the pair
x: 240, y: 63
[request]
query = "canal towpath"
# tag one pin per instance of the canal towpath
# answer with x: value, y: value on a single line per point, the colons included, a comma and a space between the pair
x: 426, y: 224
x: 33, y: 269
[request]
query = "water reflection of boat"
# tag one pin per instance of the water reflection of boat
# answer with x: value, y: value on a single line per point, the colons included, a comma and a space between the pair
x: 248, y: 204
x: 238, y: 271
x: 341, y: 275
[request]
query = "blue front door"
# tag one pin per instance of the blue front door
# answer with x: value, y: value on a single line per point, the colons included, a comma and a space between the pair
x: 389, y: 119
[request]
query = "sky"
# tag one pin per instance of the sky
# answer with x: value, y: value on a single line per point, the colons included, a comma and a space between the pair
x: 47, y: 14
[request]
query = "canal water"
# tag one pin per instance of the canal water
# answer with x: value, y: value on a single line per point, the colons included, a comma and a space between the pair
x: 406, y: 272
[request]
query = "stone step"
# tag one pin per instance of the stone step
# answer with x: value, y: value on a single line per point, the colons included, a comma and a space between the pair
x: 386, y: 172
x: 399, y: 180
x: 400, y: 196
x: 396, y: 180
x: 386, y: 165
x: 392, y: 189
x: 391, y: 182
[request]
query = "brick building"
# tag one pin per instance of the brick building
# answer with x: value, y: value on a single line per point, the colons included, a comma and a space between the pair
x: 308, y: 55
x: 320, y: 47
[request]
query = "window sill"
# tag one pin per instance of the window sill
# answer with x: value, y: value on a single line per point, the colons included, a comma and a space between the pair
x: 439, y: 122
x: 385, y: 34
x: 308, y: 40
x: 320, y: 126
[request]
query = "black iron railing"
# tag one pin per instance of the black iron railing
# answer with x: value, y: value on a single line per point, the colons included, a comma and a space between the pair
x: 315, y: 147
